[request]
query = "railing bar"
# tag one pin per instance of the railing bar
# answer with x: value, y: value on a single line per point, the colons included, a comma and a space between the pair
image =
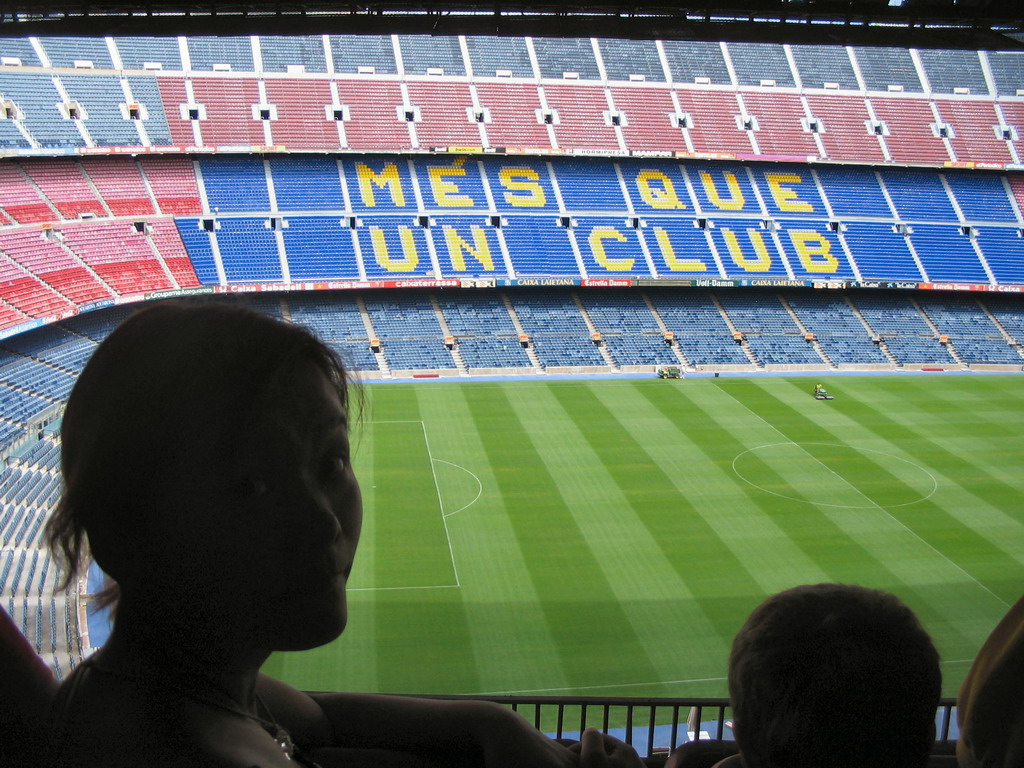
x: 561, y: 718
x: 675, y: 726
x: 629, y: 724
x: 583, y: 718
x: 650, y: 729
x: 947, y: 716
x: 536, y: 715
x: 721, y: 723
x: 607, y: 715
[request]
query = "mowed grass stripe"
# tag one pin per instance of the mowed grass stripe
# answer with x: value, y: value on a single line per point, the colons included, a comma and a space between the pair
x: 832, y: 553
x: 990, y: 444
x: 628, y: 516
x: 991, y: 556
x: 866, y: 414
x: 935, y: 582
x: 580, y: 608
x: 958, y: 403
x: 985, y: 466
x: 406, y: 514
x: 442, y: 657
x: 696, y: 454
x: 669, y: 528
x: 513, y: 649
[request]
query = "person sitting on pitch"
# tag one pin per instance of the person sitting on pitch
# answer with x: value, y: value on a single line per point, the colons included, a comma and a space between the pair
x: 206, y: 463
x: 836, y: 676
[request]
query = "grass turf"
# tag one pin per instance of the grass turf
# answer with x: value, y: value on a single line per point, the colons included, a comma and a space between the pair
x: 609, y: 537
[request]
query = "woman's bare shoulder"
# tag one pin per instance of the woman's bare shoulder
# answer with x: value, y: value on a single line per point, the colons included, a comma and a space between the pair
x: 104, y: 721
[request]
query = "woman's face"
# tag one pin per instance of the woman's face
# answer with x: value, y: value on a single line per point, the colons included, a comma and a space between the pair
x: 282, y: 549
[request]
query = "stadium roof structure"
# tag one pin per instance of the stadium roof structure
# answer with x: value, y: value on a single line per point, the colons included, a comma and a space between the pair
x: 946, y: 23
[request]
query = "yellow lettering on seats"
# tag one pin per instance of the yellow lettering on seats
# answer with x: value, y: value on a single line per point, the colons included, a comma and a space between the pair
x: 479, y: 250
x: 762, y: 262
x: 597, y: 237
x: 785, y: 197
x: 734, y: 202
x: 409, y: 258
x: 447, y: 193
x: 662, y: 195
x: 525, y: 180
x: 814, y: 251
x: 387, y: 178
x: 673, y: 262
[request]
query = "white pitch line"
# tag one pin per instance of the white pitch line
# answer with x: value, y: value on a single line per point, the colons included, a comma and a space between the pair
x: 440, y: 503
x: 479, y: 487
x: 601, y: 687
x: 870, y: 505
x: 874, y: 503
x: 395, y: 589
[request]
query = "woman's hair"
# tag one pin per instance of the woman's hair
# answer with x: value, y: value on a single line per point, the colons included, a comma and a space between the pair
x: 171, y: 391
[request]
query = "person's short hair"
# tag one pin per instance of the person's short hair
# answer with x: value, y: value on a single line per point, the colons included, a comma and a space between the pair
x: 168, y: 393
x: 834, y: 675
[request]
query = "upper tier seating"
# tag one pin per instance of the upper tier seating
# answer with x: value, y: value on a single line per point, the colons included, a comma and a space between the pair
x: 631, y: 60
x: 100, y: 99
x: 951, y: 71
x: 420, y: 91
x: 120, y: 185
x: 278, y: 53
x: 37, y: 101
x: 303, y: 117
x: 581, y: 119
x: 209, y: 53
x: 136, y: 52
x: 63, y: 184
x: 780, y: 118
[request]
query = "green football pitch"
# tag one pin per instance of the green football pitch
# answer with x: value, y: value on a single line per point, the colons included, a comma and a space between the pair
x: 609, y: 537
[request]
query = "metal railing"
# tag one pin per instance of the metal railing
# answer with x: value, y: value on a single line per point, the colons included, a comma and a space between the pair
x: 654, y: 725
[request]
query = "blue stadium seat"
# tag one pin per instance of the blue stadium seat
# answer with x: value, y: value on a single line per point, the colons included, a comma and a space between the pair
x: 248, y: 251
x: 319, y: 248
x: 235, y: 184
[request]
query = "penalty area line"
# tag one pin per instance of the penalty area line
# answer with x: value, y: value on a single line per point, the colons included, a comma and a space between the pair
x: 440, y: 505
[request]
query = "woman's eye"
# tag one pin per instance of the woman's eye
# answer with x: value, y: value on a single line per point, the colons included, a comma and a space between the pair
x: 334, y: 464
